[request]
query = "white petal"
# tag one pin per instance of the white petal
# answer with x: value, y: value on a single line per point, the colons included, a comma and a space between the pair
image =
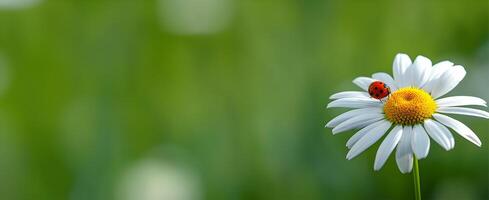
x: 354, y: 103
x: 448, y: 81
x: 458, y: 127
x: 387, y: 146
x: 440, y: 134
x: 439, y: 68
x: 418, y: 72
x: 387, y: 79
x: 353, y: 139
x: 363, y: 82
x: 404, y: 153
x: 350, y: 94
x: 401, y: 63
x: 436, y: 71
x: 359, y: 121
x: 352, y: 113
x: 461, y: 101
x: 420, y: 142
x: 368, y: 139
x: 464, y: 111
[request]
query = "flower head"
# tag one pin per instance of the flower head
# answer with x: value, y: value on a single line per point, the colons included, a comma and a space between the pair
x: 412, y: 113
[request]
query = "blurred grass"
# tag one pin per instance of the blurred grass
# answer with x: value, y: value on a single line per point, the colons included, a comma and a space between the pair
x: 94, y: 86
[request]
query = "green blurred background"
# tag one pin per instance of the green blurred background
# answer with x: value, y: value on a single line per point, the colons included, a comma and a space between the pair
x: 219, y: 99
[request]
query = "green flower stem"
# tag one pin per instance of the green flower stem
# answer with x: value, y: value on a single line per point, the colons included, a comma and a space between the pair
x: 417, y: 187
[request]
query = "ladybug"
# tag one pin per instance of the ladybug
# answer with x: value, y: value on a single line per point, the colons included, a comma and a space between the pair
x: 378, y: 90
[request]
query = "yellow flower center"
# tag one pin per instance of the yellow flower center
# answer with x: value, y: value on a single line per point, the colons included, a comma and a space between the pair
x: 409, y: 106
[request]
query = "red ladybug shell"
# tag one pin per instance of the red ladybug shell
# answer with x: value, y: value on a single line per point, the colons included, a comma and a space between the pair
x: 378, y: 90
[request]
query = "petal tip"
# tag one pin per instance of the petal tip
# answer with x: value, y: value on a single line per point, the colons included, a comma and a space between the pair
x: 329, y: 124
x: 421, y: 57
x: 401, y: 55
x: 479, y: 144
x: 378, y: 166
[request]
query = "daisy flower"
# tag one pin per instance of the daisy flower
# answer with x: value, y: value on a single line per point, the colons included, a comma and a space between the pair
x: 413, y: 112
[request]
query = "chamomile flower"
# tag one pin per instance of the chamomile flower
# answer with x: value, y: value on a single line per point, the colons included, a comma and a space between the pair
x: 413, y: 111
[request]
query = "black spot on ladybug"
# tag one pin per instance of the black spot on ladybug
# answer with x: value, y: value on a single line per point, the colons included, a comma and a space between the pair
x: 375, y: 88
x: 371, y: 93
x: 381, y: 91
x: 377, y: 95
